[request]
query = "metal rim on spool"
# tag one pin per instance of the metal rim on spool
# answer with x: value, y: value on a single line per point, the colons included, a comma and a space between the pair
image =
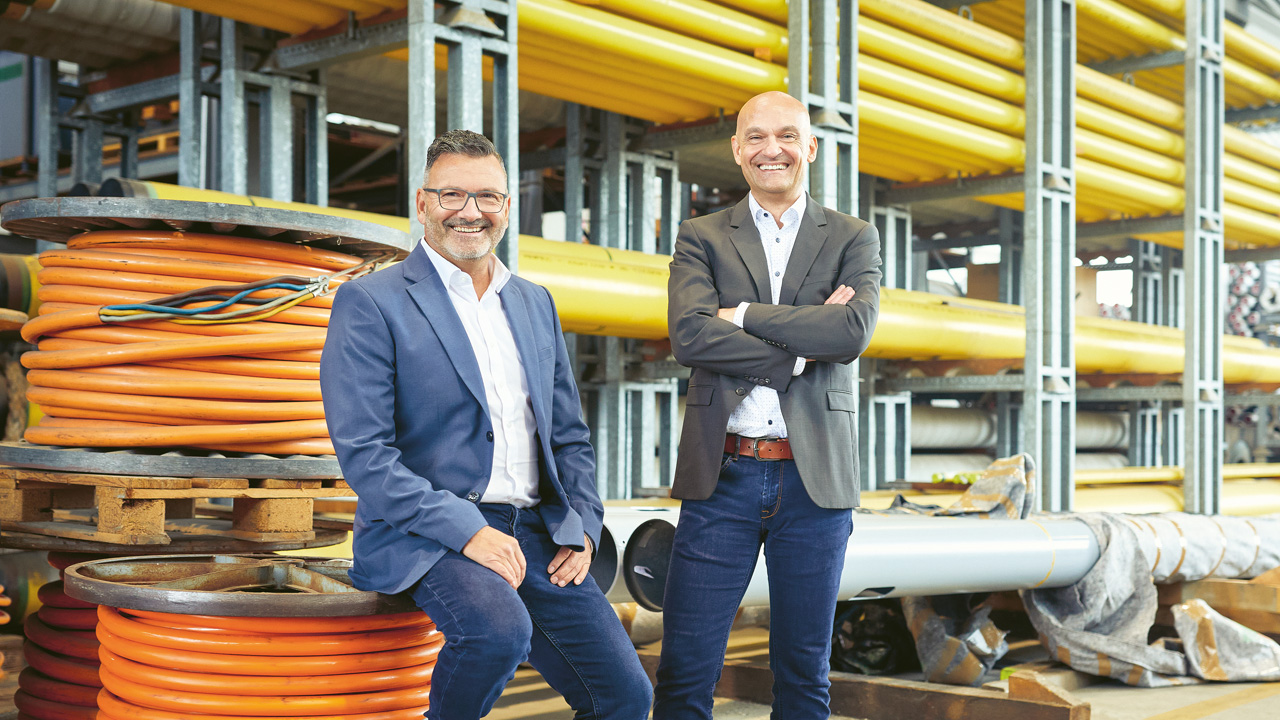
x: 58, y: 219
x: 229, y: 585
x: 169, y: 462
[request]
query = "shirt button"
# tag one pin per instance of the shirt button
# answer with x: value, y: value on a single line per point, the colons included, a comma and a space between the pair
x: 770, y: 422
x: 778, y: 273
x: 777, y: 240
x: 741, y: 391
x: 489, y: 436
x: 473, y: 496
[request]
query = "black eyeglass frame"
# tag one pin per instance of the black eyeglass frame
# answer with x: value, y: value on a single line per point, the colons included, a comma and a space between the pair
x: 470, y: 196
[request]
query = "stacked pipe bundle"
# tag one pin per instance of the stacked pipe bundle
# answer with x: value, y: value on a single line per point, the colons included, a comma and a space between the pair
x: 965, y: 81
x: 61, y: 679
x: 142, y: 342
x: 373, y: 668
x: 1245, y: 286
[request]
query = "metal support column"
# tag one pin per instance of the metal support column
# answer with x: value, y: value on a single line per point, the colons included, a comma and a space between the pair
x: 1202, y: 390
x: 894, y: 224
x: 422, y: 98
x: 574, y: 173
x: 233, y: 124
x: 46, y: 134
x: 884, y: 419
x: 1144, y: 433
x: 823, y: 74
x: 1148, y: 282
x: 278, y: 155
x: 506, y: 126
x: 1048, y: 274
x: 609, y: 224
x: 317, y: 148
x: 610, y: 429
x: 86, y: 154
x: 1009, y: 289
x: 191, y: 149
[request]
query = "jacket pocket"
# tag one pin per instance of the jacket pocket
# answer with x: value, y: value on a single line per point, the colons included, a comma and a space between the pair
x: 699, y: 395
x: 842, y: 400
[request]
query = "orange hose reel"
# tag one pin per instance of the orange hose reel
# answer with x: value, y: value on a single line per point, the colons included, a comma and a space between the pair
x: 239, y: 386
x: 61, y: 679
x: 203, y: 667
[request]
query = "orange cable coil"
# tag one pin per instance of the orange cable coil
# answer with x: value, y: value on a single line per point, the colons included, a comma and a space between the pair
x: 205, y: 667
x: 248, y: 386
x: 61, y: 680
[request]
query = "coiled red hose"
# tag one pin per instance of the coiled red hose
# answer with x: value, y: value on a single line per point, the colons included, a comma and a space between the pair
x: 61, y: 679
x: 158, y: 666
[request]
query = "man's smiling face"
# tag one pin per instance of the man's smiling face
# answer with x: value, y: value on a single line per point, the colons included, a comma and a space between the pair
x: 467, y: 234
x: 773, y: 145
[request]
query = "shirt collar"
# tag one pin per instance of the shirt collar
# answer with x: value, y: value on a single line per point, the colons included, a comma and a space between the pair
x: 758, y: 213
x: 449, y: 273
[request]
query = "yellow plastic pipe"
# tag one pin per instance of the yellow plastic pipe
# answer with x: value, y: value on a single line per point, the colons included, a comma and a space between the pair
x: 947, y: 28
x: 602, y: 291
x: 1122, y: 96
x: 1098, y: 117
x: 947, y: 98
x: 603, y: 31
x: 589, y: 82
x: 616, y: 66
x: 247, y: 14
x: 775, y: 10
x: 706, y: 21
x: 911, y: 51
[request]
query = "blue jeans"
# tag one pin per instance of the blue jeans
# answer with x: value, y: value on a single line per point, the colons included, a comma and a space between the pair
x: 714, y: 554
x: 569, y: 634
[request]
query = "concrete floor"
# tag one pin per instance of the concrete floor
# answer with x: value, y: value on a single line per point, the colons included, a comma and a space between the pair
x: 529, y: 698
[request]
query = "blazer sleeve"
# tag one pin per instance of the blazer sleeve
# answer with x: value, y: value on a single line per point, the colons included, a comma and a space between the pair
x: 699, y: 338
x: 830, y: 333
x: 570, y: 440
x: 357, y: 383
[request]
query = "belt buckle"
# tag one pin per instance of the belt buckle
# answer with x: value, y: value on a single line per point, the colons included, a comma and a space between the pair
x: 755, y: 449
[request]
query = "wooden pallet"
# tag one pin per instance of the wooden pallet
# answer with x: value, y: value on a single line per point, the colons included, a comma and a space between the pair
x: 1253, y: 603
x: 135, y: 510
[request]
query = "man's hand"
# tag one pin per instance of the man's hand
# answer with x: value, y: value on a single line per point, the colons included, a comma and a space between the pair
x: 842, y: 295
x: 499, y: 552
x: 726, y: 313
x: 569, y: 565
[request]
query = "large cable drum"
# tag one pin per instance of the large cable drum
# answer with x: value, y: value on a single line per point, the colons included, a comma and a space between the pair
x: 229, y: 636
x: 182, y: 324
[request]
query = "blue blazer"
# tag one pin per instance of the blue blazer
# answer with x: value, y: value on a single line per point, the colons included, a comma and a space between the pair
x: 406, y: 409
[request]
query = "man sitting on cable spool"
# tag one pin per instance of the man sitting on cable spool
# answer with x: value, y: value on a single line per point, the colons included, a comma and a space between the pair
x: 453, y: 410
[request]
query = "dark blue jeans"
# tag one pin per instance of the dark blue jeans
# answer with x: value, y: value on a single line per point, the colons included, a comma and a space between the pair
x: 716, y: 545
x: 569, y: 634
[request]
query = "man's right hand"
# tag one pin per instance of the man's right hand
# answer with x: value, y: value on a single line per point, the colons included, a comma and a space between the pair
x: 840, y: 296
x: 499, y: 552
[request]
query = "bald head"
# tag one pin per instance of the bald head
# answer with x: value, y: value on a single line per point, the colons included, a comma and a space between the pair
x: 770, y: 104
x: 774, y: 146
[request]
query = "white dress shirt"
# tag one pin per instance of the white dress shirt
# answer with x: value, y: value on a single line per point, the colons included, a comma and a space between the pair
x: 760, y: 415
x: 514, y: 478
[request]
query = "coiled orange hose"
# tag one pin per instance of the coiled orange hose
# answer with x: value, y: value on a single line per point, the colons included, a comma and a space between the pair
x: 61, y: 679
x: 241, y: 386
x: 203, y: 667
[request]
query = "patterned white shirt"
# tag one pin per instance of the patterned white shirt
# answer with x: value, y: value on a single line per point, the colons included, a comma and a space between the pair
x: 760, y: 414
x: 514, y: 477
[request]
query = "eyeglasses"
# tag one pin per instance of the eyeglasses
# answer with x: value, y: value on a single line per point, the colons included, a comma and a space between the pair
x: 487, y: 201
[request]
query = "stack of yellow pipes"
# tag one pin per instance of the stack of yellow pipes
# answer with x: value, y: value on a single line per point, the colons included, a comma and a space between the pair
x: 965, y: 81
x: 939, y: 94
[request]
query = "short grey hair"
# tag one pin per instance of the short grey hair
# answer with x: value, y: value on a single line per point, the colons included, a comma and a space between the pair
x: 461, y: 142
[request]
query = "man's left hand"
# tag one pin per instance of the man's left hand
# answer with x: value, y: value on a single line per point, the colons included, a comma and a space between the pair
x: 726, y: 313
x: 571, y: 566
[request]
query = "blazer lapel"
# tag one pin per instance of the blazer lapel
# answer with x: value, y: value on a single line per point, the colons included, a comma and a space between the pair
x: 522, y: 330
x: 428, y: 291
x: 746, y: 238
x: 809, y: 241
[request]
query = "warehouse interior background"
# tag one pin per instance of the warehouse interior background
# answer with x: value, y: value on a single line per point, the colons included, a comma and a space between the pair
x: 1078, y: 200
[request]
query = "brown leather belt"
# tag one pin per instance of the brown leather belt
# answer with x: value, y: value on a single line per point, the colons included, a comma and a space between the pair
x: 758, y: 448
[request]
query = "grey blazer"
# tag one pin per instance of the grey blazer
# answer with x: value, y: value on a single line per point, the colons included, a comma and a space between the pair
x: 719, y: 262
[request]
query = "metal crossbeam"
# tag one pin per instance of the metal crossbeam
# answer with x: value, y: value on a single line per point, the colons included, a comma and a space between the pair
x: 958, y: 188
x: 1137, y: 63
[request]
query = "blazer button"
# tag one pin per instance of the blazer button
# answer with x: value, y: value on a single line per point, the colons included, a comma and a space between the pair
x: 473, y: 496
x: 767, y: 381
x: 489, y: 436
x: 741, y: 391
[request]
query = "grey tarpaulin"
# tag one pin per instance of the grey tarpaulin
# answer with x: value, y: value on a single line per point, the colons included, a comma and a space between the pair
x: 955, y: 639
x: 1100, y: 624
